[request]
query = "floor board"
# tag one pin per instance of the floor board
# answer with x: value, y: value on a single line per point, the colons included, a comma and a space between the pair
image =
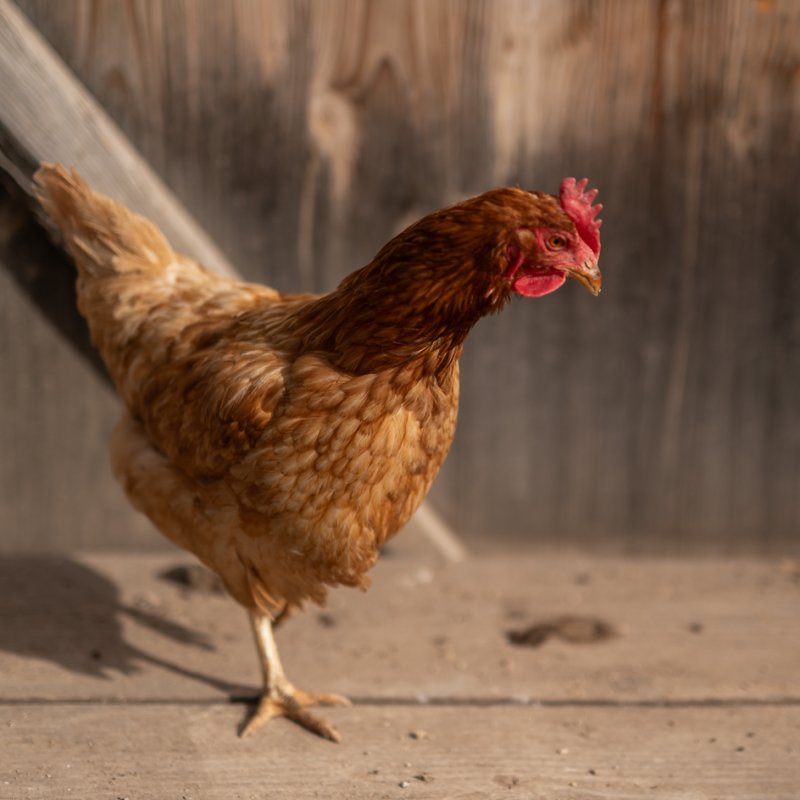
x: 190, y: 751
x: 638, y: 678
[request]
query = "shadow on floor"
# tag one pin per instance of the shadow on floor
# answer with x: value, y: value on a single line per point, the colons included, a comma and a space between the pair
x: 62, y: 611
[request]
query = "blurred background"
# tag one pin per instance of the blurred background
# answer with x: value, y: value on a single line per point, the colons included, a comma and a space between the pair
x: 662, y: 417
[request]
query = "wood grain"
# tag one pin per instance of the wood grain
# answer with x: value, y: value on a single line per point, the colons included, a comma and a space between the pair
x: 115, y: 683
x: 174, y: 750
x: 661, y: 417
x: 42, y: 101
x: 686, y: 633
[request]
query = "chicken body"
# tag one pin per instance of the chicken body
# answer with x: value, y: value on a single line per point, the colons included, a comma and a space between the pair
x: 283, y: 438
x: 288, y: 474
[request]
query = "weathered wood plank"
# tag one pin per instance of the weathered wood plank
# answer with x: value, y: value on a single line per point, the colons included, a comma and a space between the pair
x: 105, y: 627
x: 152, y: 752
x: 661, y: 417
x: 47, y: 115
x: 698, y: 697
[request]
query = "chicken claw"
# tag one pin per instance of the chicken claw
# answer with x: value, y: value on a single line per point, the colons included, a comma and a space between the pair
x: 291, y: 703
x: 280, y: 698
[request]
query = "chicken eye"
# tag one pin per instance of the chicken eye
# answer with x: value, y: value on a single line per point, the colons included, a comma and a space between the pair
x: 557, y: 242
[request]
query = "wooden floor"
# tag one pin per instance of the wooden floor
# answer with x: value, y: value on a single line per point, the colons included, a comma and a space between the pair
x: 629, y: 679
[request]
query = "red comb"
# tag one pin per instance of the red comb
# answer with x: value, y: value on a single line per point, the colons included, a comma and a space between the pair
x: 578, y: 205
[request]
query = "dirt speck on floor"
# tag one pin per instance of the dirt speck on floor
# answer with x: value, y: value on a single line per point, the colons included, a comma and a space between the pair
x: 194, y: 577
x: 507, y: 781
x: 569, y: 628
x: 696, y: 627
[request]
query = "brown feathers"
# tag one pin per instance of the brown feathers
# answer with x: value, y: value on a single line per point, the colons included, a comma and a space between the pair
x: 282, y: 439
x: 96, y: 229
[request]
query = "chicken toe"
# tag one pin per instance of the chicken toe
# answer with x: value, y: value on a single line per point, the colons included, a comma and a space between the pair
x: 292, y: 703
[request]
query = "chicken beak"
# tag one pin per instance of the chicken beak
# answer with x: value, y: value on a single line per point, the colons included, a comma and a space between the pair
x: 587, y: 274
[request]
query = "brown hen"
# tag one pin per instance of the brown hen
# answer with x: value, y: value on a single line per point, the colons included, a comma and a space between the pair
x: 283, y: 438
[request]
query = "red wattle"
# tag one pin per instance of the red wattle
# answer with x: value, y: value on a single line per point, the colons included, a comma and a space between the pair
x: 539, y: 283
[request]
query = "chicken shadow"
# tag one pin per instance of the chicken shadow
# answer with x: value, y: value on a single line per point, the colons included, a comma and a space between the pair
x: 62, y: 611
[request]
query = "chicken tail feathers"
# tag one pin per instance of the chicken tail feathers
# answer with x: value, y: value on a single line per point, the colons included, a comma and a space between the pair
x: 101, y: 235
x: 126, y: 270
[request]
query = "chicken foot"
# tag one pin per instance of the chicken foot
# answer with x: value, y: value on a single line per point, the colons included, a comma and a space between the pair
x: 280, y: 698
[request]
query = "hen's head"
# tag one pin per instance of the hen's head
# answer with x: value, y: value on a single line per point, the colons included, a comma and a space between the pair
x: 551, y: 239
x: 464, y: 261
x: 431, y: 283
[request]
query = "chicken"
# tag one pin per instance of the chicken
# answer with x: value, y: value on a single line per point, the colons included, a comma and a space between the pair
x: 281, y: 438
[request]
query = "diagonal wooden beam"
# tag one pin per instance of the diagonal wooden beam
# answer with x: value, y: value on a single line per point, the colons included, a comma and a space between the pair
x: 46, y: 114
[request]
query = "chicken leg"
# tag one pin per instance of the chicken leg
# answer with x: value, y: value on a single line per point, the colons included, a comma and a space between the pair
x: 279, y: 698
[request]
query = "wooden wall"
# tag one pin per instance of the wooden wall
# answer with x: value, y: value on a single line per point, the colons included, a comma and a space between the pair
x: 664, y: 415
